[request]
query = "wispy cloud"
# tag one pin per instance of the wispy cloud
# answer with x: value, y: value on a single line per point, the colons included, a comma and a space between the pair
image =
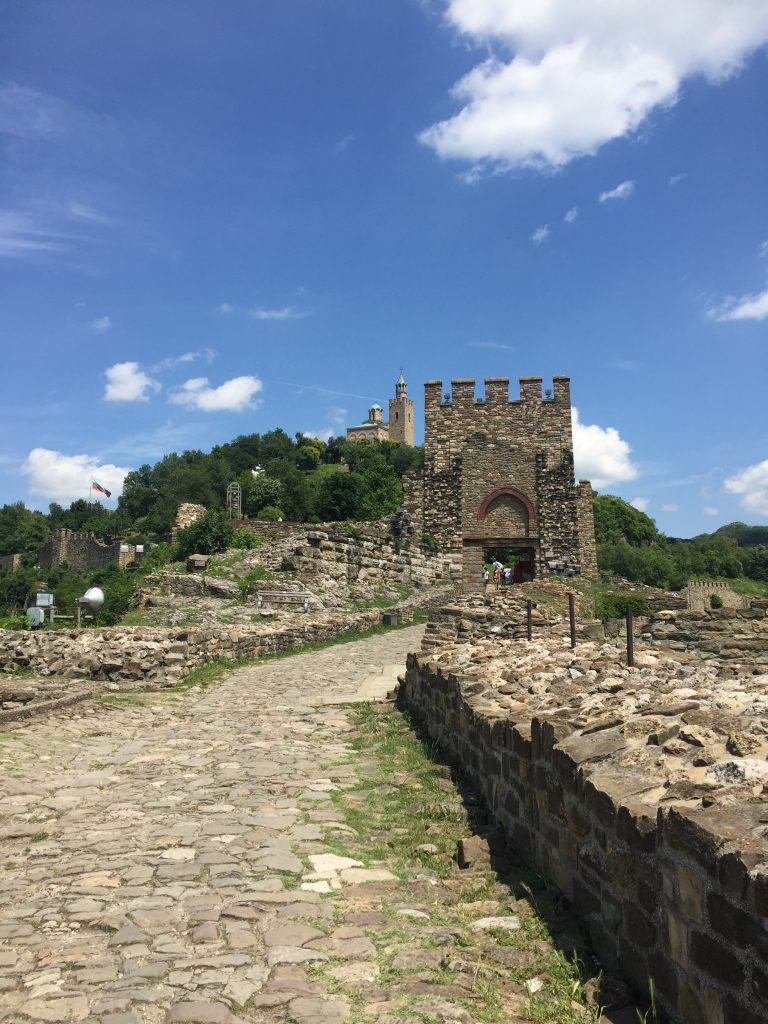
x: 571, y: 215
x: 762, y: 251
x: 100, y: 325
x: 641, y: 504
x: 208, y: 354
x: 670, y: 508
x: 627, y: 365
x: 540, y: 235
x: 677, y: 178
x: 127, y: 382
x: 748, y: 307
x: 493, y: 345
x: 343, y: 144
x: 225, y: 307
x: 233, y: 395
x: 622, y: 191
x: 286, y: 313
x: 711, y: 511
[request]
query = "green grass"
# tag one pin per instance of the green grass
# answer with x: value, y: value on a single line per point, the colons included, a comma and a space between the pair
x: 38, y: 837
x: 404, y: 799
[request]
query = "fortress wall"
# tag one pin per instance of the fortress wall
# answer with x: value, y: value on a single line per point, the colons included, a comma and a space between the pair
x: 673, y: 892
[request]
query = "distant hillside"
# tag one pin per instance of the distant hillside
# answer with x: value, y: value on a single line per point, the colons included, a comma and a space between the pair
x: 630, y: 545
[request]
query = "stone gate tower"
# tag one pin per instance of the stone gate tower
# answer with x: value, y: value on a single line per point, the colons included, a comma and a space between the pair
x: 401, y: 426
x: 499, y: 473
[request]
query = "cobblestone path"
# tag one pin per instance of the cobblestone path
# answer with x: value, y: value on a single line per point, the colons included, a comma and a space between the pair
x: 190, y: 858
x: 156, y: 854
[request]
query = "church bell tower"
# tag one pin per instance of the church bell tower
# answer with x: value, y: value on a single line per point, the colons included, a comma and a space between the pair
x: 401, y: 426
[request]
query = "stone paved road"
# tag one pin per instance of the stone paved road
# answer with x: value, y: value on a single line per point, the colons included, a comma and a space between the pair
x: 164, y: 860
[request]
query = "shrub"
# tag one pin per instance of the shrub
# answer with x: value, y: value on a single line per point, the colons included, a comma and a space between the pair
x: 246, y: 539
x: 271, y: 513
x: 14, y: 622
x: 715, y: 601
x: 429, y: 542
x: 209, y: 534
x: 614, y: 606
x: 159, y: 555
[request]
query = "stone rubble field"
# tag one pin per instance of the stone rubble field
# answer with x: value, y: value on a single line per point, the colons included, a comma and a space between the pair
x: 698, y: 728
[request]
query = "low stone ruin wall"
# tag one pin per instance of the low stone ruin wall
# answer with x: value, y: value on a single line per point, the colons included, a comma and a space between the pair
x: 637, y: 792
x: 142, y: 656
x: 373, y: 561
x: 729, y: 634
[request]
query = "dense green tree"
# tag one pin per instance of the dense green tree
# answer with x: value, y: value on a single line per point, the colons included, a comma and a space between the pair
x: 21, y: 529
x: 340, y: 496
x: 616, y: 520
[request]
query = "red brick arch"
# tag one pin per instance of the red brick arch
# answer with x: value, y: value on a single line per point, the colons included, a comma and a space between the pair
x: 512, y: 492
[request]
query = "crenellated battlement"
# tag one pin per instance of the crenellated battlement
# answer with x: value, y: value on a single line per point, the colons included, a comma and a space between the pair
x: 463, y: 392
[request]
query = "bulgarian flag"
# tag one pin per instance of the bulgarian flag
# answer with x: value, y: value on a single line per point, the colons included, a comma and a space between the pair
x: 102, y: 490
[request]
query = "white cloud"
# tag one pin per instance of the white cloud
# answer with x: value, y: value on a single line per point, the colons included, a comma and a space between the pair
x: 571, y: 215
x: 226, y: 308
x: 126, y: 382
x: 101, y: 325
x: 540, y: 234
x: 231, y: 396
x: 343, y: 144
x: 670, y: 508
x: 762, y: 252
x: 748, y: 307
x: 567, y: 76
x: 64, y: 478
x: 286, y: 313
x: 601, y: 454
x: 752, y: 483
x: 322, y: 435
x: 622, y: 191
x: 641, y: 504
x: 711, y: 511
x: 677, y: 178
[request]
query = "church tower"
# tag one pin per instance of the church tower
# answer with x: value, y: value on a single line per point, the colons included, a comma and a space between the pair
x: 401, y: 426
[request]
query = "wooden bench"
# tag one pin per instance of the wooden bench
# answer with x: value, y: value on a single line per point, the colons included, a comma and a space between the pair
x: 283, y: 597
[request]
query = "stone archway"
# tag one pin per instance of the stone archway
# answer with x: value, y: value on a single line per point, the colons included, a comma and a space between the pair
x: 508, y: 511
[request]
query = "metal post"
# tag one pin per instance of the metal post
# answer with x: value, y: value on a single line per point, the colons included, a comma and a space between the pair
x: 630, y: 639
x: 572, y: 617
x: 79, y: 610
x: 528, y: 607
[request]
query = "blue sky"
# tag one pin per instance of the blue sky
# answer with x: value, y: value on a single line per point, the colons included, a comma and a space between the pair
x: 219, y: 219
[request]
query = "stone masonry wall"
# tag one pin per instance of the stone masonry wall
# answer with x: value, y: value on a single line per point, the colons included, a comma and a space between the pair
x: 699, y: 594
x: 728, y: 634
x: 522, y: 449
x: 676, y: 891
x: 371, y: 559
x: 10, y: 563
x: 83, y: 551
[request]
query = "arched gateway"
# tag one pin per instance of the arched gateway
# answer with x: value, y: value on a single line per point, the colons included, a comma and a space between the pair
x: 498, y: 476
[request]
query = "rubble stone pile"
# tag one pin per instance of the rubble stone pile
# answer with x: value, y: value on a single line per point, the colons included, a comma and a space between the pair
x: 639, y: 791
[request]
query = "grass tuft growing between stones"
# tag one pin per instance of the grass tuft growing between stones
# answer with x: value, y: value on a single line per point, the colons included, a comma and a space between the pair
x: 408, y: 812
